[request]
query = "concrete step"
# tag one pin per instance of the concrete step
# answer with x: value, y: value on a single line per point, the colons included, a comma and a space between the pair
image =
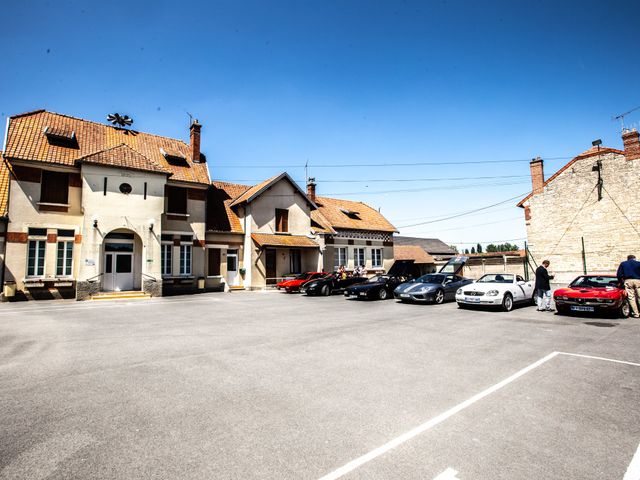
x: 129, y: 295
x: 236, y: 289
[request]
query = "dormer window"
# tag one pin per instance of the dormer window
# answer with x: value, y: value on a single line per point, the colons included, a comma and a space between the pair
x: 174, y: 157
x: 351, y: 213
x: 61, y: 137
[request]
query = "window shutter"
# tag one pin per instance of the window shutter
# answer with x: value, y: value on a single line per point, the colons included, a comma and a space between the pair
x: 54, y: 187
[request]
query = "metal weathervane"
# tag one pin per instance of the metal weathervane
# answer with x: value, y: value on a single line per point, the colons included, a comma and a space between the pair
x: 120, y: 120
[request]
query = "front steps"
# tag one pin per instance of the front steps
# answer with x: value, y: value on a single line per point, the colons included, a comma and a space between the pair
x: 128, y: 295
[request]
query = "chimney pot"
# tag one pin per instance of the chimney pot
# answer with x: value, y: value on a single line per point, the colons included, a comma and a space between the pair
x: 194, y: 141
x: 537, y: 175
x: 311, y: 189
x: 631, y: 142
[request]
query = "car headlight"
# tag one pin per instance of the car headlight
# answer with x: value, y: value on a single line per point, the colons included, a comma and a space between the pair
x: 459, y: 292
x: 492, y: 293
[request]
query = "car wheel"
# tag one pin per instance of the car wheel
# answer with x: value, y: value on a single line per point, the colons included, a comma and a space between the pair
x: 625, y: 310
x: 326, y: 291
x: 507, y: 302
x: 382, y: 294
x: 438, y: 298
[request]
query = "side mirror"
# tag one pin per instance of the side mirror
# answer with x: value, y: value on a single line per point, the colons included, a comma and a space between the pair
x: 520, y: 282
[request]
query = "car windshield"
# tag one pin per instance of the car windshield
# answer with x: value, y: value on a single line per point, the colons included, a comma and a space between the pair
x: 496, y: 278
x: 431, y: 278
x: 376, y: 279
x: 595, y: 282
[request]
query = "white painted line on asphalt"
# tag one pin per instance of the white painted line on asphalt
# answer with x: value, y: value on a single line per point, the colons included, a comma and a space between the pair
x: 633, y: 472
x: 352, y: 465
x: 600, y: 358
x: 448, y: 474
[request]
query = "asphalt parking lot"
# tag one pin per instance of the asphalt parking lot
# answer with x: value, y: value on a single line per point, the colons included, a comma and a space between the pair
x: 270, y: 385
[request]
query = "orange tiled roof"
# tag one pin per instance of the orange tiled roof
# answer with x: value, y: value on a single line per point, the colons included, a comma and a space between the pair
x: 26, y: 140
x: 586, y: 154
x: 256, y: 190
x: 363, y: 217
x: 123, y: 156
x: 412, y: 252
x: 4, y: 187
x: 220, y: 215
x: 322, y: 225
x: 271, y: 240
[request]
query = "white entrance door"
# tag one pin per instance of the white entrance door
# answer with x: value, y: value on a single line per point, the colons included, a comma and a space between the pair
x: 118, y: 271
x: 232, y: 268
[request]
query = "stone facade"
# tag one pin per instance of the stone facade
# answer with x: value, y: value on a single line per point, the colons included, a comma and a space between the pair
x: 569, y: 210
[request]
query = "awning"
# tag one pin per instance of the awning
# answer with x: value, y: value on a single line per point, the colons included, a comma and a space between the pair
x: 283, y: 241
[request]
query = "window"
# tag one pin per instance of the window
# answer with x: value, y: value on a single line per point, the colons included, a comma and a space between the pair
x: 35, y: 255
x: 282, y: 220
x: 64, y: 261
x: 358, y: 257
x: 232, y: 260
x: 185, y: 259
x: 376, y: 258
x: 176, y: 200
x: 125, y: 188
x: 213, y: 262
x: 54, y: 187
x: 295, y: 260
x: 340, y: 257
x: 166, y: 258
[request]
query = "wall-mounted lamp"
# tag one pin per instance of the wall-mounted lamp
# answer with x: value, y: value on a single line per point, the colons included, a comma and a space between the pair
x: 95, y: 222
x: 151, y: 224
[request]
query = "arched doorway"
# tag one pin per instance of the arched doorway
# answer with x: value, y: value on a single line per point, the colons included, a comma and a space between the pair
x: 122, y: 261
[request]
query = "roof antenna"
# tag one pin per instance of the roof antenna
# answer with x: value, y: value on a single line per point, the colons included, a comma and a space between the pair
x: 622, y: 115
x: 306, y: 170
x: 190, y: 118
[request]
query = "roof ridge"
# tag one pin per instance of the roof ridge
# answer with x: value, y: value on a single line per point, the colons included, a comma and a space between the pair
x: 43, y: 110
x: 152, y: 162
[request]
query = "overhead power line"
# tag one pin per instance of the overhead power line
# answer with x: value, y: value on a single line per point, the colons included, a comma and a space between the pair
x: 512, y: 219
x: 388, y: 164
x: 387, y: 180
x: 469, y: 212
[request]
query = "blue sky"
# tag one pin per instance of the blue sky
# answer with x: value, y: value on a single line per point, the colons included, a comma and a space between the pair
x: 352, y: 87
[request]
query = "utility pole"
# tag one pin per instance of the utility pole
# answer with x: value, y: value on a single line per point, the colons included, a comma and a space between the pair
x: 598, y: 168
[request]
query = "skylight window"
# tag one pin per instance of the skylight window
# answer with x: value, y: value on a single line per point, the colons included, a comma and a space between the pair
x: 61, y: 136
x: 174, y: 158
x: 351, y: 213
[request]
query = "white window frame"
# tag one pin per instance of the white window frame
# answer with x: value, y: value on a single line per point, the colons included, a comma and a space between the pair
x: 359, y: 253
x: 186, y: 265
x: 340, y: 257
x: 37, y: 258
x: 65, y: 242
x: 376, y: 258
x: 166, y: 261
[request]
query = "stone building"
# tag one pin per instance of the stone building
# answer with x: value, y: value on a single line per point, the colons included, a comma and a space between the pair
x: 351, y: 234
x: 591, y: 201
x: 92, y: 208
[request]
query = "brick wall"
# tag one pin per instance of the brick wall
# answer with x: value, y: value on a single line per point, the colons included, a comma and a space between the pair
x: 568, y: 210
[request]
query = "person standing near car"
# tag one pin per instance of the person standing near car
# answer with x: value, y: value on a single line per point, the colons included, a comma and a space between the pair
x: 543, y: 287
x: 629, y: 274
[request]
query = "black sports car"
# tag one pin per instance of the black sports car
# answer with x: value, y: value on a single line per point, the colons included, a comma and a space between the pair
x: 329, y: 284
x: 379, y: 287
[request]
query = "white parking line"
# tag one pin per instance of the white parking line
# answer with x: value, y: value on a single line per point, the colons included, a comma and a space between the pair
x: 634, y: 468
x: 352, y: 465
x: 448, y: 474
x: 633, y: 472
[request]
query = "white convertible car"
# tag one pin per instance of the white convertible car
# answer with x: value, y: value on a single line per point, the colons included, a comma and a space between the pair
x: 496, y: 289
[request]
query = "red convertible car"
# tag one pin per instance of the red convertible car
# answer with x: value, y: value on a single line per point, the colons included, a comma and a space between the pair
x: 593, y: 293
x: 294, y: 285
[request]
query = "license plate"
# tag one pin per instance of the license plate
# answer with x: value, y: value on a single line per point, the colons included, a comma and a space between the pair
x: 472, y: 299
x: 404, y: 295
x: 363, y: 294
x: 580, y: 308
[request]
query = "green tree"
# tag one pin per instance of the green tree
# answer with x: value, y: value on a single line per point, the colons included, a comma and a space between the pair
x: 479, y: 248
x: 454, y: 248
x: 473, y: 249
x: 466, y: 251
x: 491, y: 248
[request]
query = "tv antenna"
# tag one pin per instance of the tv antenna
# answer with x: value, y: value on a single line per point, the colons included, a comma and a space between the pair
x: 190, y: 118
x: 622, y: 115
x: 120, y: 120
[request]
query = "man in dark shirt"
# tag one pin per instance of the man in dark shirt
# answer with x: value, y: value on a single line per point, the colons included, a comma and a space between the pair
x: 629, y: 273
x: 543, y: 287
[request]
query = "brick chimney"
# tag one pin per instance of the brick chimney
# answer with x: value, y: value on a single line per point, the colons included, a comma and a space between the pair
x: 631, y: 141
x: 537, y: 175
x: 194, y: 140
x: 311, y: 189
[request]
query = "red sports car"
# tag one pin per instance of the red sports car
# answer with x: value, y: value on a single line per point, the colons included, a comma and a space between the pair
x: 593, y: 293
x: 294, y: 285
